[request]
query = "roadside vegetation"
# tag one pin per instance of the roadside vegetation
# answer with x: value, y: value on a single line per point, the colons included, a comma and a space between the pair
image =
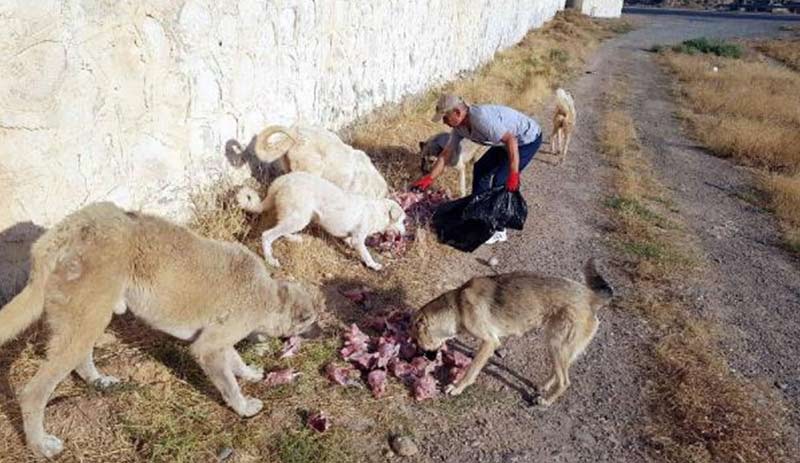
x: 699, y: 411
x: 748, y: 109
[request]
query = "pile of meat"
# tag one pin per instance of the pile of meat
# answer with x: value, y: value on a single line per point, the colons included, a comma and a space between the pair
x: 419, y: 207
x: 392, y: 352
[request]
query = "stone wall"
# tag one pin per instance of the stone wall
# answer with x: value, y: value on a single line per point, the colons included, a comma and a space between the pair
x: 134, y: 100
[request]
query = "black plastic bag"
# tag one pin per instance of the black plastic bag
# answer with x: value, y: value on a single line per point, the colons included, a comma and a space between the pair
x: 453, y: 230
x: 467, y: 223
x: 499, y: 207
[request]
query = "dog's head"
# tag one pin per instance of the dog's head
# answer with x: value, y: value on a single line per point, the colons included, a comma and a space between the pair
x: 433, y: 324
x: 428, y: 153
x: 397, y: 217
x: 299, y: 306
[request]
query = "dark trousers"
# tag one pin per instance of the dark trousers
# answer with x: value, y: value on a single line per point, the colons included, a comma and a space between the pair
x: 492, y: 168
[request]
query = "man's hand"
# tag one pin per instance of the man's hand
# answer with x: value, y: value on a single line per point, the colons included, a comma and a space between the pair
x: 512, y: 184
x: 423, y: 183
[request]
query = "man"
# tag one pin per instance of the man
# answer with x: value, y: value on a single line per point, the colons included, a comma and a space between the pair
x: 513, y: 136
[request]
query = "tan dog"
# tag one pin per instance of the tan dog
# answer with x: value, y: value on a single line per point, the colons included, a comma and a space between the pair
x: 466, y: 153
x: 299, y: 198
x: 492, y: 307
x: 321, y: 153
x: 563, y: 124
x: 101, y: 260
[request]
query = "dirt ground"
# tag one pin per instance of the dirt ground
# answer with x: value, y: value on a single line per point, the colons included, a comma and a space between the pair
x: 753, y: 291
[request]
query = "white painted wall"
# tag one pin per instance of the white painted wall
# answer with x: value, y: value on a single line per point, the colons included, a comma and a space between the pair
x: 133, y: 100
x: 600, y: 8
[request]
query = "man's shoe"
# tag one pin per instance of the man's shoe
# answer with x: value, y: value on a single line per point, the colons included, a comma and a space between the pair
x: 498, y: 237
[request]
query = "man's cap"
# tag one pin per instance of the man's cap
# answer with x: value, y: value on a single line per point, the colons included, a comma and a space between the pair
x: 447, y: 102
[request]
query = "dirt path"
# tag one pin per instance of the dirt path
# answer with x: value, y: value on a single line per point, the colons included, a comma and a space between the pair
x: 756, y: 288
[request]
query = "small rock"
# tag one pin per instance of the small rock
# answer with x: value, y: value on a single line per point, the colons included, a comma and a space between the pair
x: 501, y: 352
x: 224, y: 454
x: 781, y: 386
x: 328, y: 275
x: 493, y: 262
x: 403, y: 446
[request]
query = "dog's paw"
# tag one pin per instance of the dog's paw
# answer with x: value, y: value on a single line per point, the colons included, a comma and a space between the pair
x: 49, y: 446
x: 294, y: 238
x: 251, y: 407
x: 453, y: 390
x: 120, y: 307
x: 252, y: 374
x: 375, y: 266
x: 273, y: 262
x: 105, y: 382
x: 542, y: 402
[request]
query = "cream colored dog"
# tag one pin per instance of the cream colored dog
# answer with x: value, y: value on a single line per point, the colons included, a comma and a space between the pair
x: 320, y: 152
x: 466, y: 153
x: 563, y: 124
x: 101, y: 260
x: 300, y: 198
x: 490, y: 308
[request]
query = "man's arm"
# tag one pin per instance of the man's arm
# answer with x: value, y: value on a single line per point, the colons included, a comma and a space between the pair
x: 513, y: 160
x: 438, y: 168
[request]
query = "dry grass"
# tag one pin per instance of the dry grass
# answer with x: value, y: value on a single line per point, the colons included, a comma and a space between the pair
x: 749, y: 111
x: 215, y: 212
x: 785, y: 201
x: 170, y: 412
x: 787, y: 51
x: 700, y: 411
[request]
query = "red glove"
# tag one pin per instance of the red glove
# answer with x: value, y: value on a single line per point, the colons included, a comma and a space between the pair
x: 423, y: 183
x: 512, y: 184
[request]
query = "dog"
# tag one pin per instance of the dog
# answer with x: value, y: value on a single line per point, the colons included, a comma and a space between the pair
x: 493, y: 307
x: 102, y: 260
x: 466, y: 152
x: 321, y: 152
x: 300, y: 198
x: 563, y: 124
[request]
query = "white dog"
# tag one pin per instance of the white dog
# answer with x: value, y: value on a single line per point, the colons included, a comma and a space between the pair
x: 321, y: 152
x: 300, y: 198
x: 467, y: 152
x: 563, y: 124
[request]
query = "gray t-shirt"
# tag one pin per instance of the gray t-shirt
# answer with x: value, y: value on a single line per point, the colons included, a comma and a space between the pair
x: 488, y: 124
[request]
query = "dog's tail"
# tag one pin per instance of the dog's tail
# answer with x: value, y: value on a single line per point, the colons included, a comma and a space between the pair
x: 268, y: 151
x: 602, y: 290
x: 565, y: 102
x: 23, y: 310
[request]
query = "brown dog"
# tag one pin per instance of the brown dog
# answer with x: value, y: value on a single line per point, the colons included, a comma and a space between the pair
x: 493, y: 307
x: 102, y: 260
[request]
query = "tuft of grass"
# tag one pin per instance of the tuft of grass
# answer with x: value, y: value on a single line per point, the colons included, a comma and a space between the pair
x: 215, y: 213
x: 704, y: 45
x: 787, y: 51
x: 305, y: 446
x: 784, y: 193
x: 634, y: 206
